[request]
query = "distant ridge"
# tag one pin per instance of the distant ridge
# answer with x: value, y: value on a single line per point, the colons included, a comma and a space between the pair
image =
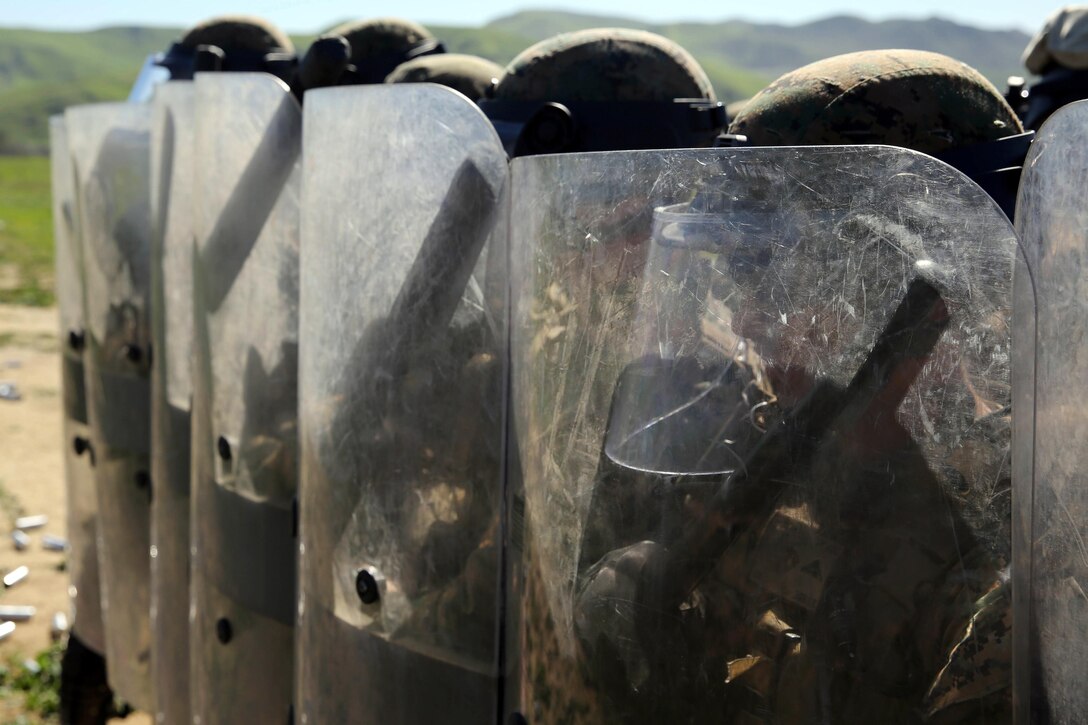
x: 773, y: 49
x: 41, y: 72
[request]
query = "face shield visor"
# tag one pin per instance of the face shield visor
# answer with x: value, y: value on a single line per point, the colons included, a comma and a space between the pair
x: 681, y: 407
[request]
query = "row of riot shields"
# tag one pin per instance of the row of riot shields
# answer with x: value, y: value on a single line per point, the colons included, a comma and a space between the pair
x: 177, y: 248
x: 76, y: 445
x: 173, y: 182
x: 709, y: 435
x: 109, y: 333
x: 685, y: 436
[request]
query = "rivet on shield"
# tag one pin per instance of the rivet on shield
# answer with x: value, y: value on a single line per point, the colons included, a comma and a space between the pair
x: 223, y: 631
x: 76, y: 339
x: 80, y: 445
x: 143, y: 480
x: 366, y: 584
x: 133, y: 353
x: 223, y: 446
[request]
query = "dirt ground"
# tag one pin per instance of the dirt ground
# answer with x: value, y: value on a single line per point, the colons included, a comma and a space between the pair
x: 32, y: 478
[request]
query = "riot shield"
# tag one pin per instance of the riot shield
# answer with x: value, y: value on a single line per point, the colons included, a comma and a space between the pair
x: 244, y: 437
x: 78, y: 458
x: 172, y: 168
x: 109, y: 144
x: 401, y: 408
x: 1051, y: 504
x: 761, y: 402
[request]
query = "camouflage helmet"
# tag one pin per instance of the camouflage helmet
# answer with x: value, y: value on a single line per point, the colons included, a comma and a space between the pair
x: 605, y: 64
x: 380, y: 45
x: 1062, y: 41
x: 910, y: 98
x: 230, y: 43
x: 467, y: 74
x: 238, y: 32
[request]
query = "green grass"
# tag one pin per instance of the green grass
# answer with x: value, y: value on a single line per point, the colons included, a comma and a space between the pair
x: 36, y: 681
x: 26, y: 231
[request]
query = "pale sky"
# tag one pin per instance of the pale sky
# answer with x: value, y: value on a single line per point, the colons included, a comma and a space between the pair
x: 305, y: 16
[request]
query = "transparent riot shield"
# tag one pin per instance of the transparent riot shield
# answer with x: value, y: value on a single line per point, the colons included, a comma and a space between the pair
x: 402, y: 376
x: 172, y: 168
x: 761, y: 402
x: 244, y: 437
x: 109, y: 144
x: 78, y: 459
x: 1051, y: 502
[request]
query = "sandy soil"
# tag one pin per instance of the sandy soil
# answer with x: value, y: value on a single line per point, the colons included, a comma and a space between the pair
x: 32, y: 476
x: 31, y: 468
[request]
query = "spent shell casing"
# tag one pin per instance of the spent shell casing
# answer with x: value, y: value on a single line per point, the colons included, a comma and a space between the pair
x: 24, y: 523
x: 6, y: 629
x: 15, y: 613
x: 15, y: 576
x: 58, y: 626
x: 54, y: 543
x: 21, y: 540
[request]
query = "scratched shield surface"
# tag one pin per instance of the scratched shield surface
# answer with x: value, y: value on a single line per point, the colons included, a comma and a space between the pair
x: 84, y: 589
x: 173, y: 166
x: 761, y: 400
x: 244, y: 436
x: 110, y: 148
x: 1051, y: 565
x: 402, y: 404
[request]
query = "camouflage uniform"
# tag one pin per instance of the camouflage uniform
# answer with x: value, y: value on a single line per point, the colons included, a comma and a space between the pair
x: 910, y: 98
x: 606, y: 66
x: 894, y: 617
x: 467, y: 74
x: 853, y: 594
x: 446, y: 528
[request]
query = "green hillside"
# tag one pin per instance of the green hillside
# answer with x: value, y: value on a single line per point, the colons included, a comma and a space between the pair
x: 768, y: 51
x: 43, y: 72
x: 492, y: 43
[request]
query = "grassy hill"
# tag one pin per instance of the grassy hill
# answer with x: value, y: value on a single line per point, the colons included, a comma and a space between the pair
x: 43, y: 72
x: 768, y: 50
